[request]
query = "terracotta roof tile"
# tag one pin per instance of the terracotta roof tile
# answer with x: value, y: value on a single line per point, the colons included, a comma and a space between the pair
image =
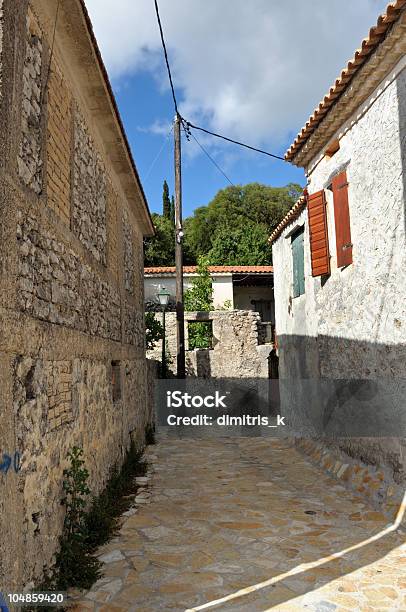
x: 213, y: 269
x: 289, y: 217
x: 369, y: 44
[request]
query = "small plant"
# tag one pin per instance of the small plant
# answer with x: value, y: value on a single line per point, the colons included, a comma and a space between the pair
x: 102, y: 519
x: 165, y: 368
x: 76, y: 566
x: 153, y: 330
x: 200, y: 335
x: 226, y: 306
x: 150, y: 434
x: 199, y: 296
x: 84, y: 531
x: 76, y: 490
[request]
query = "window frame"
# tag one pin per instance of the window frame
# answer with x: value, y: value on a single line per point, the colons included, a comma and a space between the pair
x: 298, y: 282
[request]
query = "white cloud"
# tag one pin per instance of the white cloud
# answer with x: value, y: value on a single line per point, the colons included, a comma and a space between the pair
x: 252, y: 69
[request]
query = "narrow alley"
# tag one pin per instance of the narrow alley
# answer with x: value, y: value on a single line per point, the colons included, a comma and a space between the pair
x: 248, y: 524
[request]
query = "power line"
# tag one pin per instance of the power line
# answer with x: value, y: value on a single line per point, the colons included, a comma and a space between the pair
x: 186, y: 124
x: 166, y: 56
x: 159, y: 153
x: 211, y: 159
x: 241, y: 144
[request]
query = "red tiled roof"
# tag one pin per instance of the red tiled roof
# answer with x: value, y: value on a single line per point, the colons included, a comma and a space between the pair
x: 369, y: 44
x: 289, y: 217
x: 213, y: 269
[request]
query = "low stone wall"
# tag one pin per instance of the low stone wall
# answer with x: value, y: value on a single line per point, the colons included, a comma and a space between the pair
x: 236, y: 352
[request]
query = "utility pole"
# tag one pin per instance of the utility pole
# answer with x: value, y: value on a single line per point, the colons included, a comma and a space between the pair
x: 180, y: 315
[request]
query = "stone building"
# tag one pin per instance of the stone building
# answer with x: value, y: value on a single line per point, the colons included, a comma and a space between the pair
x: 73, y: 217
x: 340, y: 255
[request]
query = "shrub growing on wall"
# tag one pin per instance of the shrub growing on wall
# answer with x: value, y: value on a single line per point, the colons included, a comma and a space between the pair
x: 199, y: 297
x: 153, y: 330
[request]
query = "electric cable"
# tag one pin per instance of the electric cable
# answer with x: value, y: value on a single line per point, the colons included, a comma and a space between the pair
x: 212, y: 160
x: 159, y: 154
x: 166, y: 56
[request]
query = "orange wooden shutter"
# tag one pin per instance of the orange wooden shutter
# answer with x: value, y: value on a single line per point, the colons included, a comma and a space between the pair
x: 320, y: 254
x: 342, y: 220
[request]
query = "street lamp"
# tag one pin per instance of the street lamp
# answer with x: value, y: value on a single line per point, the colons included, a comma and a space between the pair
x: 163, y: 298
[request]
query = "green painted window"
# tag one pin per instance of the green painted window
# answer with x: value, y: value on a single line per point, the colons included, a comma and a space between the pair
x: 298, y: 262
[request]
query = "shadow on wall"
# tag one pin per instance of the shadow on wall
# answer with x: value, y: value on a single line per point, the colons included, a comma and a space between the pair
x: 401, y: 87
x: 351, y: 392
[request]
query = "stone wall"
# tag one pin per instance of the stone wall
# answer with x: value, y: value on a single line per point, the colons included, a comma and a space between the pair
x: 56, y: 286
x: 59, y: 144
x: 113, y: 233
x: 1, y: 44
x: 128, y: 242
x: 89, y: 192
x: 80, y: 412
x: 29, y: 157
x: 66, y: 317
x: 351, y: 324
x: 236, y: 352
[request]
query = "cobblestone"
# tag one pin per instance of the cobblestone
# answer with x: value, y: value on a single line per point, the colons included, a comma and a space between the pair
x: 248, y: 524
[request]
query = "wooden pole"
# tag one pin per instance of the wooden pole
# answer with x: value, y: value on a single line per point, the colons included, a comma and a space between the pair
x: 180, y: 316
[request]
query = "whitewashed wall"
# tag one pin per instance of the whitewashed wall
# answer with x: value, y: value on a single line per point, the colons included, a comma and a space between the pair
x: 222, y: 287
x: 354, y: 325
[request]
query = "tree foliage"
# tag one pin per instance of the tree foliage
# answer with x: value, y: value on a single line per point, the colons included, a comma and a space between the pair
x: 166, y: 201
x: 199, y: 296
x: 233, y: 229
x: 153, y: 330
x: 160, y: 249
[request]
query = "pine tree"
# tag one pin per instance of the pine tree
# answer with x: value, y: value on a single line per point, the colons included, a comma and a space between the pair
x: 166, y: 203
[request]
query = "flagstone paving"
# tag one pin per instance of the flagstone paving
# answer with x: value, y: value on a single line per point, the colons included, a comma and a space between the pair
x: 247, y: 524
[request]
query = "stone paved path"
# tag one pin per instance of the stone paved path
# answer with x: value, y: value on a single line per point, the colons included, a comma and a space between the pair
x: 248, y: 524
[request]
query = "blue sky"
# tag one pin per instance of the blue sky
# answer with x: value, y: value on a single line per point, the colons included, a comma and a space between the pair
x: 252, y: 71
x: 201, y: 179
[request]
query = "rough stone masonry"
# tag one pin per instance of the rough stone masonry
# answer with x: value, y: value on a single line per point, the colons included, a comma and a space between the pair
x: 72, y: 340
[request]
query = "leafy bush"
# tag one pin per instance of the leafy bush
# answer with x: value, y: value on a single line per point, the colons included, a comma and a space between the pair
x: 153, y: 330
x: 76, y: 566
x: 200, y: 295
x: 200, y: 335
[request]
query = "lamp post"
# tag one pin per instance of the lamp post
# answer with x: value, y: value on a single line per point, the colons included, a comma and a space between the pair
x: 163, y: 298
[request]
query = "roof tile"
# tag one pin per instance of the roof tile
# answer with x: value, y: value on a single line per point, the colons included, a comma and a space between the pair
x: 368, y: 45
x: 213, y: 269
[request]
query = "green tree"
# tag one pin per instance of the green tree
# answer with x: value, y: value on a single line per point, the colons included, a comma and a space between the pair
x: 239, y: 216
x: 243, y: 246
x: 172, y: 216
x: 160, y: 249
x: 166, y: 202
